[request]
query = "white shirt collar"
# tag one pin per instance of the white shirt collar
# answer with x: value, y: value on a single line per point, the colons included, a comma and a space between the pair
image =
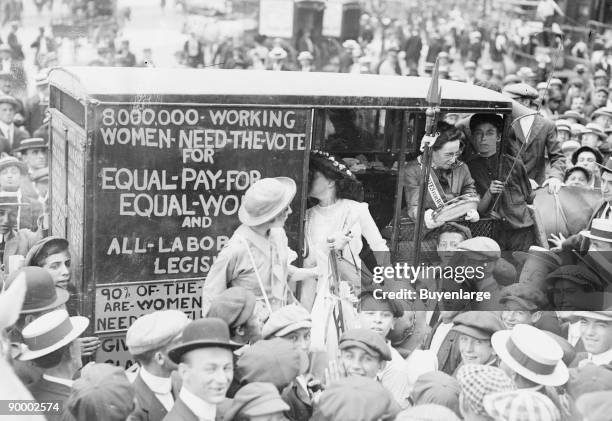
x: 158, y: 385
x: 5, y: 128
x: 59, y: 380
x: 202, y: 409
x: 603, y: 358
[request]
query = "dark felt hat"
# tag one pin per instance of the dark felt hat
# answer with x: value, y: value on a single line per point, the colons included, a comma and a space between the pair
x: 41, y: 292
x: 203, y: 333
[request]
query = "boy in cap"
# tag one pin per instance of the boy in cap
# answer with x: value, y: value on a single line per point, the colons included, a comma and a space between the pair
x: 596, y: 335
x: 205, y: 364
x: 148, y: 340
x: 438, y: 388
x: 522, y: 303
x: 475, y: 329
x: 102, y: 393
x: 476, y: 382
x: 33, y: 153
x: 10, y: 135
x: 292, y: 323
x: 257, y: 402
x: 362, y: 353
x: 51, y: 344
x: 257, y: 256
x: 483, y: 160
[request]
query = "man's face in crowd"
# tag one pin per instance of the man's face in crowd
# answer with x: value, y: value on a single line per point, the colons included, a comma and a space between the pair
x: 58, y: 266
x: 35, y: 158
x: 357, y: 362
x: 5, y: 86
x: 591, y: 140
x: 598, y: 245
x: 8, y: 219
x: 447, y: 245
x: 486, y: 138
x: 475, y: 351
x: 7, y: 113
x: 207, y: 373
x: 577, y: 179
x: 577, y: 104
x: 606, y: 186
x: 10, y: 178
x: 600, y: 99
x: 380, y: 322
x: 553, y: 104
x: 514, y: 314
x: 300, y: 337
x: 587, y: 160
x: 569, y: 296
x: 596, y: 335
x: 563, y: 135
x: 603, y: 120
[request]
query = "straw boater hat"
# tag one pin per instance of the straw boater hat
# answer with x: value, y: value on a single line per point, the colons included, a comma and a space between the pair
x: 305, y: 55
x: 570, y: 146
x: 266, y: 199
x: 7, y: 99
x: 32, y: 143
x: 11, y: 161
x: 573, y: 114
x: 532, y: 354
x: 51, y: 332
x: 10, y: 199
x: 595, y: 128
x: 601, y: 229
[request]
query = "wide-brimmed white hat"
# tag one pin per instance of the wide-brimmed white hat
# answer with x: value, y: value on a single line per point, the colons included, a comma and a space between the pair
x: 601, y: 229
x: 277, y: 53
x: 50, y: 332
x: 265, y: 199
x: 531, y: 353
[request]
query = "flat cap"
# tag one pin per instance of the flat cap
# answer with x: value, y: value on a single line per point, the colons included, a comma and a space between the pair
x: 527, y: 296
x: 256, y: 399
x: 275, y: 361
x: 595, y: 406
x: 155, y: 330
x: 587, y: 379
x: 355, y: 398
x: 367, y: 302
x: 478, y: 380
x: 103, y: 393
x: 577, y: 274
x: 575, y: 115
x: 570, y: 146
x: 521, y: 405
x: 478, y: 324
x: 556, y: 81
x: 480, y: 248
x: 520, y: 90
x: 437, y: 387
x: 595, y: 128
x: 285, y: 320
x: 235, y: 306
x: 371, y: 342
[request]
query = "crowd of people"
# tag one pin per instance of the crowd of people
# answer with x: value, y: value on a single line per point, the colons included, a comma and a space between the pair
x: 539, y: 349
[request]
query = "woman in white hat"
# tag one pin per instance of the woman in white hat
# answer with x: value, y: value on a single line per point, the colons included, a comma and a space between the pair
x: 257, y: 256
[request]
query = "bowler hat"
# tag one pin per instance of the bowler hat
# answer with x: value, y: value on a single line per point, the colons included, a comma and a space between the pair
x: 155, y: 330
x: 11, y: 161
x: 601, y: 229
x: 202, y: 333
x: 477, y: 324
x: 265, y: 199
x: 577, y: 152
x: 41, y: 292
x: 494, y: 119
x: 32, y: 143
x: 50, y: 332
x: 39, y: 248
x: 531, y: 353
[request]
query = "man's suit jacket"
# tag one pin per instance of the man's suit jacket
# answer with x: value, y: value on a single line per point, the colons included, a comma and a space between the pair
x: 35, y: 113
x: 20, y: 242
x: 148, y: 406
x: 581, y: 356
x: 578, y: 242
x: 448, y: 355
x: 181, y: 412
x: 18, y: 136
x: 46, y: 391
x: 542, y: 140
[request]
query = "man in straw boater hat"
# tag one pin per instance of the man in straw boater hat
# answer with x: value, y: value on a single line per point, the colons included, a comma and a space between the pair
x: 13, y: 241
x: 10, y: 135
x: 205, y: 364
x: 532, y: 358
x: 14, y: 178
x: 596, y: 335
x: 34, y: 153
x: 52, y: 345
x: 257, y: 256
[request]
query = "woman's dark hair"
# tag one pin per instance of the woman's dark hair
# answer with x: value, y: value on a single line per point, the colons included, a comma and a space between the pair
x: 52, y: 248
x: 347, y: 186
x: 572, y: 170
x: 448, y: 133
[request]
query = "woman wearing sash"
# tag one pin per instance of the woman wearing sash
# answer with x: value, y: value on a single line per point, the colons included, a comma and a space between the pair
x: 449, y: 177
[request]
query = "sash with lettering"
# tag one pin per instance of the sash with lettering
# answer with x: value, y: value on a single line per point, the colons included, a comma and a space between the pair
x: 436, y: 192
